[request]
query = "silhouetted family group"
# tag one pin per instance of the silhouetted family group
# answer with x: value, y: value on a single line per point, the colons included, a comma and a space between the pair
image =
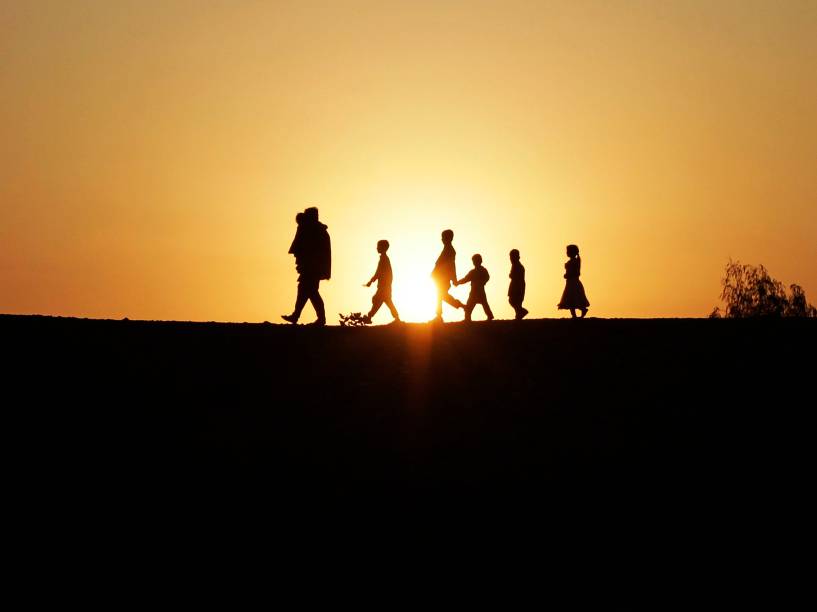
x: 313, y: 262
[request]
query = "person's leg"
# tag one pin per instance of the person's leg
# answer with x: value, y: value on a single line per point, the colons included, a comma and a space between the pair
x: 300, y: 301
x: 377, y: 302
x: 469, y: 307
x: 520, y: 310
x: 392, y: 309
x: 515, y: 305
x: 440, y: 293
x: 487, y: 308
x: 572, y: 313
x: 317, y: 301
x: 320, y: 310
x: 584, y: 312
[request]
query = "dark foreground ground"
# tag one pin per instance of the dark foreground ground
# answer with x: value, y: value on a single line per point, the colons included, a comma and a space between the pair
x: 505, y: 406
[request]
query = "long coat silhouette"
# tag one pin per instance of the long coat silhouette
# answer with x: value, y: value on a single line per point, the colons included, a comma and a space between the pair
x: 312, y: 247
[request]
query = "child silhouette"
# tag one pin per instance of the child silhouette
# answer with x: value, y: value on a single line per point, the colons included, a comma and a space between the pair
x: 573, y: 297
x: 383, y: 276
x: 516, y: 290
x: 444, y: 273
x: 478, y: 277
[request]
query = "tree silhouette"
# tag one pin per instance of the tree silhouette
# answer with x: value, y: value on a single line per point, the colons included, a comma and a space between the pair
x: 749, y: 291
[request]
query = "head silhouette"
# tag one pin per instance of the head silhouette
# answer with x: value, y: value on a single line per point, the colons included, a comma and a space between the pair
x: 382, y: 246
x: 514, y: 254
x: 311, y: 214
x: 572, y: 251
x: 448, y: 236
x: 477, y: 259
x: 299, y: 218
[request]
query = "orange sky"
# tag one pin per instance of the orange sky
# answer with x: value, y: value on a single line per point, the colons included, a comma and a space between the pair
x: 154, y: 153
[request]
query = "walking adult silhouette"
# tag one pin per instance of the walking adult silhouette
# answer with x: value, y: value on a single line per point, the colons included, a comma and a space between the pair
x: 313, y: 261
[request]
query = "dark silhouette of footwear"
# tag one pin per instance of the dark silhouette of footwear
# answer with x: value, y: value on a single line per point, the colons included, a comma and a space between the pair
x: 523, y: 313
x: 290, y: 319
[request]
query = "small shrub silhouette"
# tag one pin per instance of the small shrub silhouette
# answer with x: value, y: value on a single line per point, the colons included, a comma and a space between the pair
x: 354, y: 319
x: 750, y: 291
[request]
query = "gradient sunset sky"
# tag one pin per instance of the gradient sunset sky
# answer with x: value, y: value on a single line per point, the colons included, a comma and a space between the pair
x: 154, y: 153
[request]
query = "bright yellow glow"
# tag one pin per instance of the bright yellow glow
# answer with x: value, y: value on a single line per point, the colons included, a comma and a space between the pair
x: 154, y: 154
x: 415, y: 294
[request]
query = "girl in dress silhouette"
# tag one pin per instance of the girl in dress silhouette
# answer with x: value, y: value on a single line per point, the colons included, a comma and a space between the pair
x: 573, y: 297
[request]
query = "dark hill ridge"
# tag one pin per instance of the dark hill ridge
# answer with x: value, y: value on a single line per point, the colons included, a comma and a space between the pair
x: 502, y: 404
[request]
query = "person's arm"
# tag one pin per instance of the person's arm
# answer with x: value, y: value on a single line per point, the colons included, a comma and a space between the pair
x: 464, y: 279
x: 377, y: 273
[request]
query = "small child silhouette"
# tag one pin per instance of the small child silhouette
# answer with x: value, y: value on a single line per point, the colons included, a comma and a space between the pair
x: 516, y: 290
x: 444, y: 273
x: 573, y: 297
x: 478, y: 277
x: 383, y: 276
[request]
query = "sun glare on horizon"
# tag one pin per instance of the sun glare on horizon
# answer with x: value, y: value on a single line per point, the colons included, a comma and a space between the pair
x: 414, y: 294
